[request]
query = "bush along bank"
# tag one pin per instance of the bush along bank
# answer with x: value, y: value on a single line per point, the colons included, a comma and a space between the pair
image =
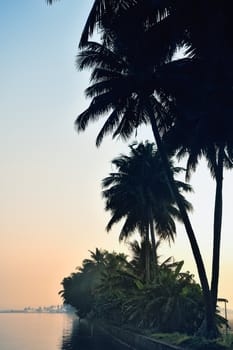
x: 112, y: 288
x: 164, y: 341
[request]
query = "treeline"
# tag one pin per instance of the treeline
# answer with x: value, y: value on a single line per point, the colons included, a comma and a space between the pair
x: 110, y: 287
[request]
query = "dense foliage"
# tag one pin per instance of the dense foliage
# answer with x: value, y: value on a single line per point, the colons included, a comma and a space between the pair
x: 138, y: 193
x: 109, y: 287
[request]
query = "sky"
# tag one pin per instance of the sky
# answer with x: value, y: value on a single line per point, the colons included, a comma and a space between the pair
x: 51, y: 210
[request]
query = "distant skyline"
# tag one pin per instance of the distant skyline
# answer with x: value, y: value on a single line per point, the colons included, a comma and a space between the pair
x: 51, y: 208
x: 41, y: 309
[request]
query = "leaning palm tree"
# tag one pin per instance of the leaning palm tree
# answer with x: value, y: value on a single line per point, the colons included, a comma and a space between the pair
x: 128, y: 88
x: 202, y: 137
x: 139, y: 193
x: 202, y: 89
x: 156, y: 37
x: 181, y: 22
x: 131, y: 96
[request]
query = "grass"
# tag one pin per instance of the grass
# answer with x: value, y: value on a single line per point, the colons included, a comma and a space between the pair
x: 227, y: 340
x: 194, y: 342
x: 189, y: 342
x: 171, y: 338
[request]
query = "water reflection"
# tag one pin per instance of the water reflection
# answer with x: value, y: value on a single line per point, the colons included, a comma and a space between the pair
x: 70, y: 336
x: 72, y: 340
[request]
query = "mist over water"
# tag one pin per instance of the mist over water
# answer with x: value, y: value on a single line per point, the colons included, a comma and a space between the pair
x: 34, y: 331
x: 19, y: 331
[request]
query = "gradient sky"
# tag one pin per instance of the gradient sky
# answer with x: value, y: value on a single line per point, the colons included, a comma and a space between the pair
x: 50, y: 204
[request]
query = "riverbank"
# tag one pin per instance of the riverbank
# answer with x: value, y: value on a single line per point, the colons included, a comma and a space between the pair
x: 158, y: 341
x: 136, y: 341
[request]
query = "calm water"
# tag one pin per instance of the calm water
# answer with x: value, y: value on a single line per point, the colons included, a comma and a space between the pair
x: 47, y: 332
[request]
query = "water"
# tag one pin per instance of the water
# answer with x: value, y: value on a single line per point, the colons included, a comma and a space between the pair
x: 47, y: 332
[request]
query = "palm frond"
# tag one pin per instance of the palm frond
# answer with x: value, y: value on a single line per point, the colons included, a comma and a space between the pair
x: 100, y: 74
x: 100, y: 105
x: 97, y: 55
x: 97, y: 11
x: 109, y: 125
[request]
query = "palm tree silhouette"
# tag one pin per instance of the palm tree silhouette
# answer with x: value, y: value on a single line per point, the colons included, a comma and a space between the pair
x: 139, y: 193
x: 157, y: 33
x: 125, y: 89
x: 200, y: 137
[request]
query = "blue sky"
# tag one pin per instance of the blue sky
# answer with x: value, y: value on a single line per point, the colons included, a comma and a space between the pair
x: 51, y: 208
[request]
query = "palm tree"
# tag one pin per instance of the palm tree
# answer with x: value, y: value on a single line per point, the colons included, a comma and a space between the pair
x: 95, y: 262
x: 139, y: 193
x: 185, y: 30
x: 124, y: 87
x: 177, y: 24
x: 173, y: 303
x: 137, y: 262
x: 202, y: 90
x: 125, y: 81
x: 202, y: 136
x: 139, y: 257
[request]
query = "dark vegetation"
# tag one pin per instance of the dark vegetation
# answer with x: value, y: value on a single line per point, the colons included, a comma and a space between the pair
x: 141, y: 292
x: 188, y: 104
x: 112, y: 288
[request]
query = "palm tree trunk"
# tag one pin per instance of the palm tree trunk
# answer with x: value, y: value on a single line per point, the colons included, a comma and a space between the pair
x: 217, y: 226
x: 209, y: 329
x: 153, y: 241
x: 147, y: 256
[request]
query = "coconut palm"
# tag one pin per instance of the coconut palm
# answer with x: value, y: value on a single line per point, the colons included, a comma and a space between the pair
x: 139, y: 193
x: 173, y: 303
x: 200, y: 137
x: 132, y: 95
x: 137, y: 262
x: 181, y: 22
x: 95, y: 262
x: 203, y: 93
x: 139, y: 253
x: 125, y: 88
x: 204, y: 127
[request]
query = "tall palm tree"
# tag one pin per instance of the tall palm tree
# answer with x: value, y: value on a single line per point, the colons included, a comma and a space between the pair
x: 125, y: 87
x: 198, y: 137
x: 139, y: 193
x: 177, y: 22
x: 202, y: 88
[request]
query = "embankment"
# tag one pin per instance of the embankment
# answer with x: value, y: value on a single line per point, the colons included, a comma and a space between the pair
x: 134, y: 340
